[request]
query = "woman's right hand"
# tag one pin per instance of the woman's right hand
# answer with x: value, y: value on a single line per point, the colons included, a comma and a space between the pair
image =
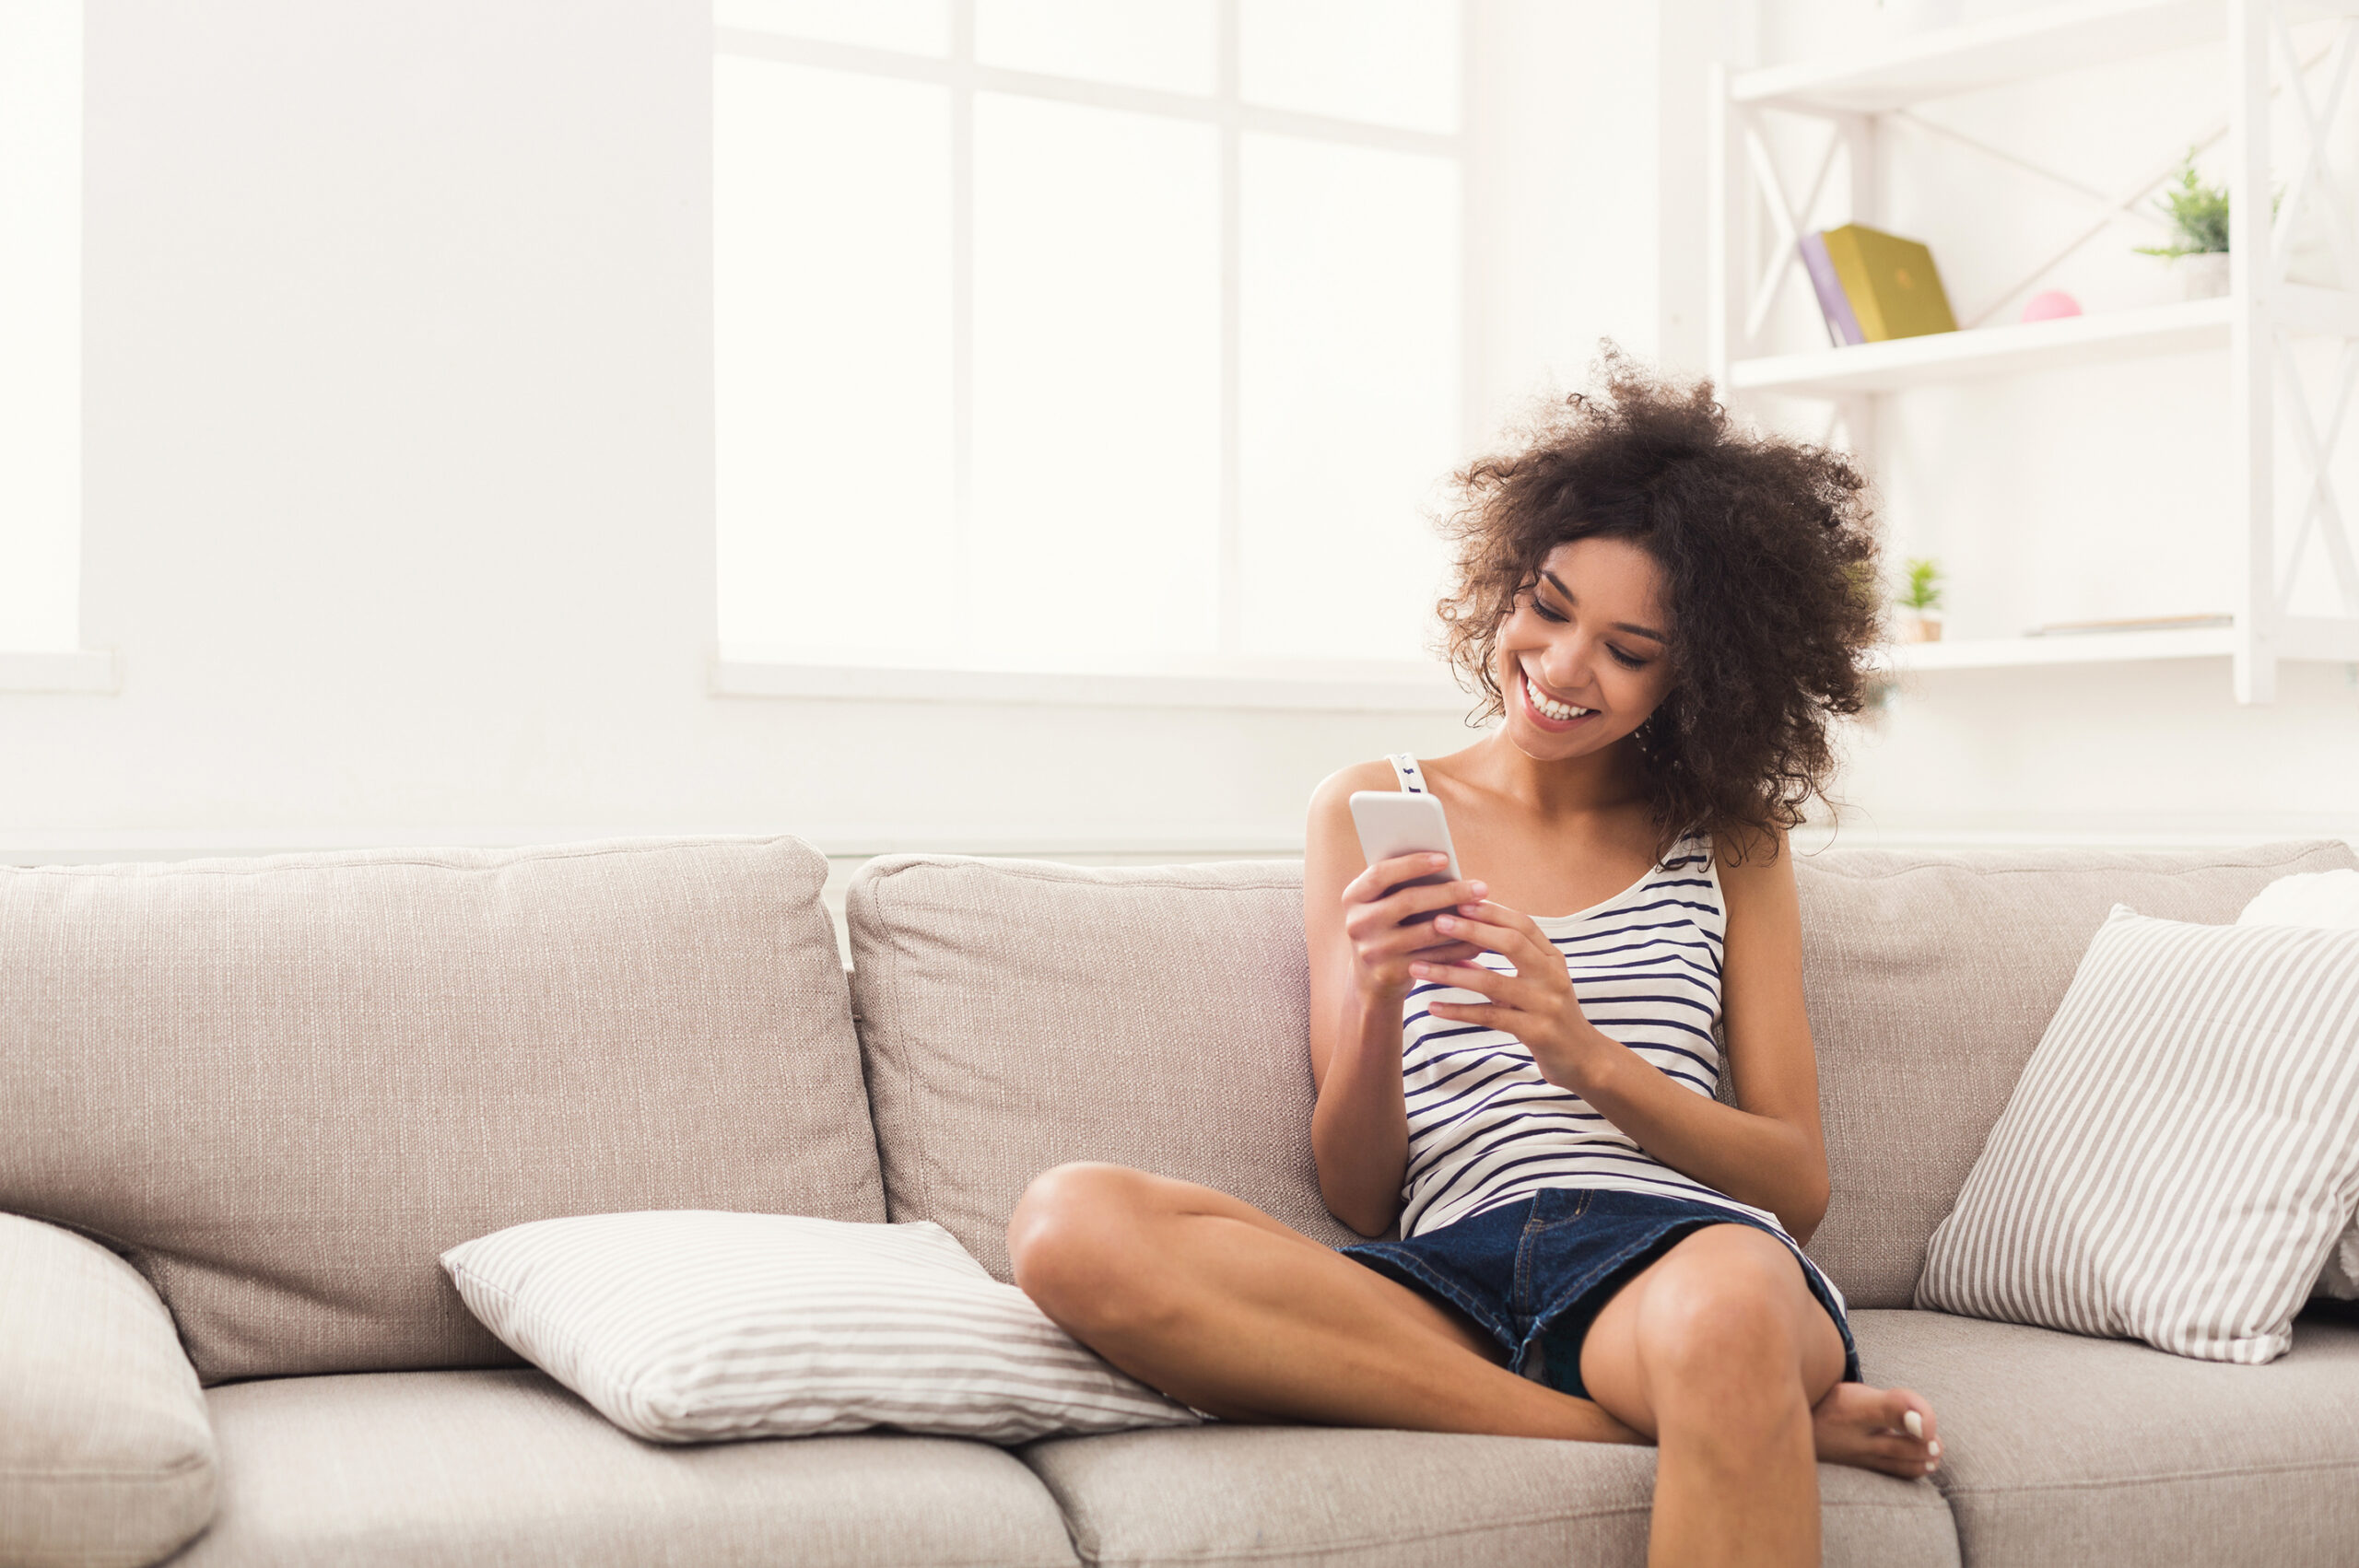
x: 1377, y: 910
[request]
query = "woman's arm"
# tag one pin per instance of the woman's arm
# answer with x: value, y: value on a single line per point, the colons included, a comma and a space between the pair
x: 1767, y: 1150
x: 1359, y: 957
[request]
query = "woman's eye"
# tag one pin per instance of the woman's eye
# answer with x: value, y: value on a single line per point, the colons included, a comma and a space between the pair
x: 1547, y: 615
x: 1625, y: 660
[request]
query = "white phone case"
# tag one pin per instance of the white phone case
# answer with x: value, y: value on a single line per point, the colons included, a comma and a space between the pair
x: 1393, y: 822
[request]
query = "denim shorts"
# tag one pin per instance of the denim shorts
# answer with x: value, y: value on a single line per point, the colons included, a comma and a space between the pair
x: 1535, y: 1273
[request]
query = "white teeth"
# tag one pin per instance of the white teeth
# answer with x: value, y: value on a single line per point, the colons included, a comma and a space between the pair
x: 1550, y: 707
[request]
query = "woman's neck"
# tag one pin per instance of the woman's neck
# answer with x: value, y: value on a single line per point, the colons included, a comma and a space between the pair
x: 1599, y: 781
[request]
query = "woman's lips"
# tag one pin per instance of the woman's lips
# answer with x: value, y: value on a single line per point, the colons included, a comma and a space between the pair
x: 1531, y: 710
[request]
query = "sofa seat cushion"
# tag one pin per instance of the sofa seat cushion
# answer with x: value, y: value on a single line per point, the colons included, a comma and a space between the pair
x: 507, y: 1470
x: 284, y: 1086
x: 2058, y: 1448
x: 1324, y: 1496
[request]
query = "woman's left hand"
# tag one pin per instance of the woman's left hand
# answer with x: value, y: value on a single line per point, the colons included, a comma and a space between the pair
x: 1535, y: 1004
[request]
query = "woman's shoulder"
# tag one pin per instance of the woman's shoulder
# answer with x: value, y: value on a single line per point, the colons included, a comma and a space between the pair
x: 1334, y: 796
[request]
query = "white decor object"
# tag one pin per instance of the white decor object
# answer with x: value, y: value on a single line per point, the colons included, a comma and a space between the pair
x: 2329, y: 900
x: 692, y: 1326
x: 2182, y: 1150
x: 2203, y: 274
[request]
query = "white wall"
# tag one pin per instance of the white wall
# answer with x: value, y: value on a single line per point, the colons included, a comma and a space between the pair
x: 399, y: 479
x: 398, y: 476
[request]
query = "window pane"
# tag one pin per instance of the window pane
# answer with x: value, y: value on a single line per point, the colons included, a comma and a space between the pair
x: 831, y: 357
x: 918, y: 27
x: 1350, y: 406
x: 40, y: 325
x: 1096, y: 383
x: 1392, y: 61
x: 1146, y: 43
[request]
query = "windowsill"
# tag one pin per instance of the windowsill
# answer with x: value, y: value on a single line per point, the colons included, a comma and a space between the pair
x: 1369, y: 688
x: 98, y: 673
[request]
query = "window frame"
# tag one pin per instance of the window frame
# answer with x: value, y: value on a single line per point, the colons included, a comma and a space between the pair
x: 1227, y: 678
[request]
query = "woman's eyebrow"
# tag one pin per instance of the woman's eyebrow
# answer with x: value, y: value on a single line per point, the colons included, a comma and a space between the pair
x: 1558, y: 584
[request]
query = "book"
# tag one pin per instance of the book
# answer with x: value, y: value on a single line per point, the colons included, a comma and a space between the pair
x: 1842, y: 326
x: 1891, y: 283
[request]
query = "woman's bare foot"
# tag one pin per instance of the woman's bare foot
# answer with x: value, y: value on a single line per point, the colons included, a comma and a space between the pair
x: 1876, y: 1429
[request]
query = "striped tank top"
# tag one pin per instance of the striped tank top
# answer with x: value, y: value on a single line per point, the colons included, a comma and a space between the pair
x: 1486, y: 1129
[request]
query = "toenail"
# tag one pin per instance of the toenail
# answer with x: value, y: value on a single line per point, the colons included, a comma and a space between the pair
x: 1914, y: 1422
x: 1935, y: 1448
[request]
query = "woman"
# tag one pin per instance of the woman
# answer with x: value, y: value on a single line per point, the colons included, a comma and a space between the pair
x: 1664, y: 614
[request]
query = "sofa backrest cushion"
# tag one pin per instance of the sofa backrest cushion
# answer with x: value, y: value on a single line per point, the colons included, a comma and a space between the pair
x: 1015, y: 1015
x: 284, y: 1086
x: 1930, y: 979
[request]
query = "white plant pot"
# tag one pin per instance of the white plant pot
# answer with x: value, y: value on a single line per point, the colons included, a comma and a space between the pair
x: 2203, y: 276
x: 1919, y: 629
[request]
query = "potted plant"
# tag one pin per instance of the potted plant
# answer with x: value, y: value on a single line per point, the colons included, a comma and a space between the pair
x: 1919, y: 600
x: 2198, y: 249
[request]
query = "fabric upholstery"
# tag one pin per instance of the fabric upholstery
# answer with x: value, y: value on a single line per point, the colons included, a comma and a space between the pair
x: 687, y: 1326
x: 284, y: 1086
x: 1309, y: 1496
x: 2107, y: 1454
x: 2181, y: 1151
x: 1930, y: 979
x: 1016, y: 1014
x: 505, y: 1469
x: 106, y: 1457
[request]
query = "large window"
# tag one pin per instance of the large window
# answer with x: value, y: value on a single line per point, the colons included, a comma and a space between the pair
x: 1097, y: 336
x: 41, y: 327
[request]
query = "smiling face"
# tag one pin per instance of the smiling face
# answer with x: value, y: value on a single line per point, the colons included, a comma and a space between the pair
x: 1585, y: 656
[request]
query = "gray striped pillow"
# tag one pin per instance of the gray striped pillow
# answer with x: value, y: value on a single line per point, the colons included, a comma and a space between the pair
x: 691, y: 1326
x: 2182, y: 1149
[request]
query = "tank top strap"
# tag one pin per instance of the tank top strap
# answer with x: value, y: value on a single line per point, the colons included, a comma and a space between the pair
x: 1405, y: 767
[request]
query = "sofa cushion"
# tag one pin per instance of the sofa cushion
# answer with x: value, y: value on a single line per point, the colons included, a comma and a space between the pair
x: 1318, y: 1495
x: 106, y: 1457
x: 1930, y: 979
x: 2106, y: 1453
x: 284, y: 1086
x: 504, y: 1468
x: 1016, y: 1014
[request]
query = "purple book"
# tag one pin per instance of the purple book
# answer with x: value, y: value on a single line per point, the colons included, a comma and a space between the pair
x: 1842, y: 326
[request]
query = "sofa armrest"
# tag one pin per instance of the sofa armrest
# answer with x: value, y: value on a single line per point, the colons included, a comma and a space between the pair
x: 106, y: 1452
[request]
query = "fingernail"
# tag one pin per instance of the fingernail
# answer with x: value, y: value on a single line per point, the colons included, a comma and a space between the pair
x: 1443, y: 923
x: 1437, y: 860
x: 1480, y: 886
x: 1419, y: 970
x: 1915, y: 1423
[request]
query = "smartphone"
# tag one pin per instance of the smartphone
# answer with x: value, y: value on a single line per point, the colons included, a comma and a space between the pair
x: 1394, y: 822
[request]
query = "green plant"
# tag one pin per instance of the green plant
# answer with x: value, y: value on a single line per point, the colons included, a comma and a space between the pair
x: 1923, y: 594
x: 2198, y: 211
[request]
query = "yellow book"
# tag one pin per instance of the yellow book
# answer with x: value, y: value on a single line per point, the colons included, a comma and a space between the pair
x: 1890, y: 282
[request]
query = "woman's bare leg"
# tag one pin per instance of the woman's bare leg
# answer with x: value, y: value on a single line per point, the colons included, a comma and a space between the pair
x: 1223, y: 1308
x: 1721, y: 1354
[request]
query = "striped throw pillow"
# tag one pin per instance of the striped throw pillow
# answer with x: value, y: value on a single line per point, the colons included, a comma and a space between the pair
x: 690, y: 1326
x: 2181, y: 1151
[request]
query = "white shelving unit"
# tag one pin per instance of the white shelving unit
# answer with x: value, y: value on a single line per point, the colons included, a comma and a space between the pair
x: 2251, y: 327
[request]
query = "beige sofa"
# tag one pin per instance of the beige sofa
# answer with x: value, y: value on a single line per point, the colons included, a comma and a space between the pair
x: 247, y: 1103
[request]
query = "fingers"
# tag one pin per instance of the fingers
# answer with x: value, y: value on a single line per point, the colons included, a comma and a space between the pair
x: 1388, y: 874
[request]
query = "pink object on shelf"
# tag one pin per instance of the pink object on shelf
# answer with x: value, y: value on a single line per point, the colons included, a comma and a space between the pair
x: 2050, y: 305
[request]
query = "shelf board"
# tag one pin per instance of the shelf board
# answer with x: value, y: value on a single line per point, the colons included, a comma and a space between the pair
x: 1973, y: 55
x: 2091, y: 648
x: 1990, y: 351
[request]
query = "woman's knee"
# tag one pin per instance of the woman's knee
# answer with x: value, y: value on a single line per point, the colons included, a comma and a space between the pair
x: 1071, y: 1234
x: 1721, y: 1319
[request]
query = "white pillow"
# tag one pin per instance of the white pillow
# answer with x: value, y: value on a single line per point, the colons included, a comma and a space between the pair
x: 690, y: 1326
x: 2181, y: 1151
x: 2330, y: 900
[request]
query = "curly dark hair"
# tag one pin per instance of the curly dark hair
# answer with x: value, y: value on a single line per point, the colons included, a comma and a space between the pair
x: 1768, y: 553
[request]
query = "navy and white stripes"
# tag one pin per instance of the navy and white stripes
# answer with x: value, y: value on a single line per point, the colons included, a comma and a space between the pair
x: 1486, y: 1129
